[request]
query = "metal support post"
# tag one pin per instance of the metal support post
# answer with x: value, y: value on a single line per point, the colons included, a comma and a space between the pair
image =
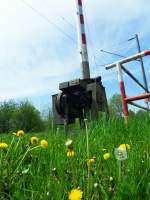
x: 133, y: 77
x: 122, y: 91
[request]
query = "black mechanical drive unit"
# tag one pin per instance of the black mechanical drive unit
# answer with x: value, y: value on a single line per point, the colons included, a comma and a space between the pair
x: 77, y: 99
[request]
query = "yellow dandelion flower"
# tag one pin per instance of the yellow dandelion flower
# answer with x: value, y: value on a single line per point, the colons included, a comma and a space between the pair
x: 75, y: 194
x: 34, y: 140
x: 91, y: 161
x: 106, y: 156
x: 44, y: 144
x: 3, y: 145
x: 124, y: 147
x: 70, y: 153
x: 20, y: 133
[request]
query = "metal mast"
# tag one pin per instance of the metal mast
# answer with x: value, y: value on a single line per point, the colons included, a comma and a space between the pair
x: 142, y: 67
x: 85, y: 71
x: 142, y: 64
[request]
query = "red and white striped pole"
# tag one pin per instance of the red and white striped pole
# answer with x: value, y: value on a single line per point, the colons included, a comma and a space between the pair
x: 128, y: 59
x: 122, y: 91
x: 82, y: 41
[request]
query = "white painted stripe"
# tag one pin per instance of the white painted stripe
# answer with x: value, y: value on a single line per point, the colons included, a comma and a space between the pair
x: 80, y: 10
x: 84, y: 53
x: 126, y: 60
x: 119, y: 71
x: 82, y: 28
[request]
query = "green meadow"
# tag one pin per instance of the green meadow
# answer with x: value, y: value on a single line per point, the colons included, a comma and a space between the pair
x: 35, y: 172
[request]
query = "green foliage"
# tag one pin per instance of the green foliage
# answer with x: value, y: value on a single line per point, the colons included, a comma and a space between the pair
x: 48, y: 120
x: 7, y: 116
x: 142, y: 113
x: 115, y: 106
x: 23, y: 115
x: 28, y: 118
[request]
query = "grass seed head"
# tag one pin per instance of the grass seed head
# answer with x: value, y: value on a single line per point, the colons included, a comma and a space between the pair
x: 69, y: 144
x: 15, y: 134
x: 104, y: 149
x: 95, y: 185
x: 54, y: 172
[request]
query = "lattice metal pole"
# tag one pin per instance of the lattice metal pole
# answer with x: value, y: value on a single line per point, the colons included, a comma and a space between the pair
x: 142, y: 66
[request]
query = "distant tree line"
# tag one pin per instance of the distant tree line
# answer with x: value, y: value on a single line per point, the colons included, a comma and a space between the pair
x: 22, y: 115
x: 115, y: 108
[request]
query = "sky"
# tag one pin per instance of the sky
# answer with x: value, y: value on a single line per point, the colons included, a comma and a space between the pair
x: 38, y: 45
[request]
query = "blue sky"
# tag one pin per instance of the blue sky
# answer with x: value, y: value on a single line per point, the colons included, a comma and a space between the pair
x: 36, y: 55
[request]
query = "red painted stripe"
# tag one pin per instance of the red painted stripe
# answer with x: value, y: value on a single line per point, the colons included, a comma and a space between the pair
x: 83, y: 38
x: 81, y: 19
x: 147, y: 52
x: 139, y: 97
x: 80, y: 2
x: 123, y: 99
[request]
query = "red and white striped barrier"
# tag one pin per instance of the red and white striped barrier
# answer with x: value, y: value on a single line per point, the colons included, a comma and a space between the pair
x: 125, y: 60
x: 82, y: 40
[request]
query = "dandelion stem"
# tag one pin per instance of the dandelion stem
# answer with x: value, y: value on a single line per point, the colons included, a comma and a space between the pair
x: 87, y: 139
x: 12, y: 141
x: 88, y: 155
x: 119, y: 170
x: 17, y: 144
x: 28, y: 150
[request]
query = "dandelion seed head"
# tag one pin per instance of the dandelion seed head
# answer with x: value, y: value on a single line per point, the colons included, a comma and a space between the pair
x: 95, y: 185
x: 120, y: 154
x: 85, y: 120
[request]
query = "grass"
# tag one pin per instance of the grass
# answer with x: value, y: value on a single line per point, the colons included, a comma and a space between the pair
x: 30, y: 172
